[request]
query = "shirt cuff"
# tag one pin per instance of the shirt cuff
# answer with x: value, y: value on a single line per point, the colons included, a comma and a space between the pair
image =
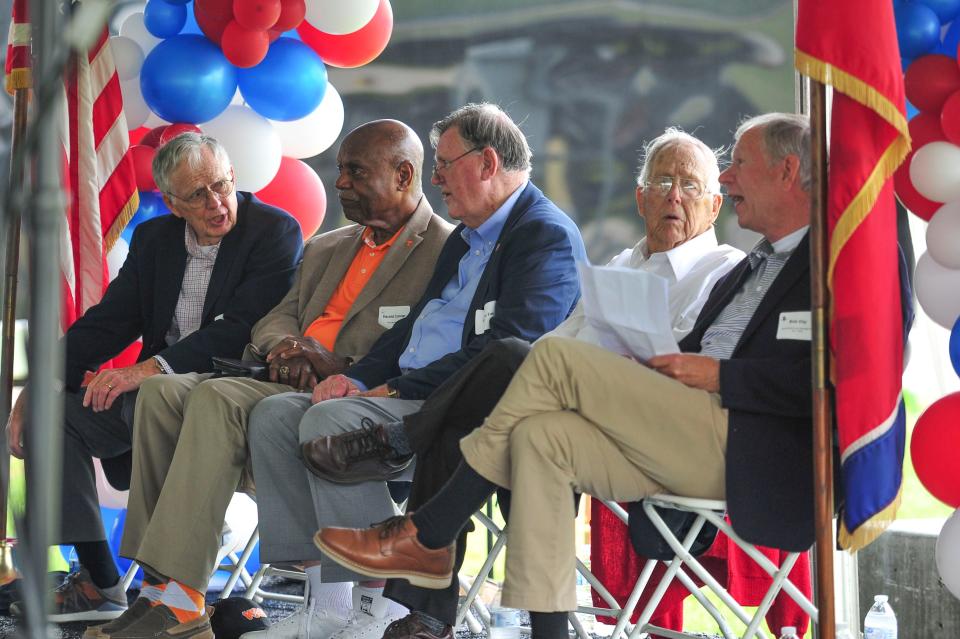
x: 163, y: 365
x: 359, y: 384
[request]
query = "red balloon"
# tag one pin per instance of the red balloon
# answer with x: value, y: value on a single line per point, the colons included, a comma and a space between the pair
x: 273, y: 34
x: 930, y: 80
x: 137, y: 134
x: 152, y: 138
x: 213, y: 16
x: 244, y: 47
x: 933, y: 448
x: 351, y: 49
x: 950, y: 118
x: 127, y: 357
x: 142, y: 156
x: 291, y: 14
x: 909, y: 196
x: 297, y: 189
x: 173, y: 130
x: 925, y: 128
x: 256, y: 15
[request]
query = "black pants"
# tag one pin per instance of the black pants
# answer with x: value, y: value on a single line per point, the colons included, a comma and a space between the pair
x: 107, y: 435
x: 451, y: 412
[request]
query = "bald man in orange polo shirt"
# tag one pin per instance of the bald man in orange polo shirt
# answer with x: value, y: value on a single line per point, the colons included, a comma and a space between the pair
x: 190, y: 445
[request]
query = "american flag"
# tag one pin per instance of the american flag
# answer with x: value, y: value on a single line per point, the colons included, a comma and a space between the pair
x: 17, y: 67
x: 100, y: 174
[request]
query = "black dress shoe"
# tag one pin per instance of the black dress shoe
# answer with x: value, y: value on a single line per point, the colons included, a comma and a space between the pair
x: 360, y: 455
x: 409, y: 627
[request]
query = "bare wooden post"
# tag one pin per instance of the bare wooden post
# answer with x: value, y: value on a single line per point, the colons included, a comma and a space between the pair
x: 822, y: 420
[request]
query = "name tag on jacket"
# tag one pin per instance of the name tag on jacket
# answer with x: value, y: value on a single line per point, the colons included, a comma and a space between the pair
x: 481, y: 322
x: 390, y: 315
x: 795, y: 325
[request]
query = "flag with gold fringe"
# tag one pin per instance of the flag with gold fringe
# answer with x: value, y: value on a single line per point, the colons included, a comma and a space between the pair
x: 17, y: 66
x: 852, y: 47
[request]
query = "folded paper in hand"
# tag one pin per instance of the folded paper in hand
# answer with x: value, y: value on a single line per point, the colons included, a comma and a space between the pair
x: 629, y: 308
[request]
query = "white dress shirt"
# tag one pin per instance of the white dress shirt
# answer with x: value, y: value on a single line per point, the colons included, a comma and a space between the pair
x: 690, y: 269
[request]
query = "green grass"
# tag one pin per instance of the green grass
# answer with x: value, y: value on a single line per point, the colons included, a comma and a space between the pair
x: 916, y: 503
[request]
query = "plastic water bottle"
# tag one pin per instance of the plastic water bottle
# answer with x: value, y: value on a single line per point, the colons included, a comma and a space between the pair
x: 880, y: 622
x: 788, y: 632
x: 504, y: 623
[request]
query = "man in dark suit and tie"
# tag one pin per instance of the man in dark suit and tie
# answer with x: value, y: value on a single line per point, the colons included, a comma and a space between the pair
x: 578, y: 417
x: 192, y: 286
x: 508, y: 270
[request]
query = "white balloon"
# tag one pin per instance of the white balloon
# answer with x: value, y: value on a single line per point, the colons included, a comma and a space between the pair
x: 252, y: 144
x: 117, y: 256
x: 937, y: 291
x: 935, y: 171
x: 314, y: 133
x: 134, y: 28
x: 127, y: 57
x: 109, y: 496
x: 338, y: 17
x: 135, y: 108
x: 948, y: 554
x: 943, y: 235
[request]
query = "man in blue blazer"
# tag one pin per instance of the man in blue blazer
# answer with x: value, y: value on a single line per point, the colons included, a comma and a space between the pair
x: 192, y: 286
x: 508, y: 270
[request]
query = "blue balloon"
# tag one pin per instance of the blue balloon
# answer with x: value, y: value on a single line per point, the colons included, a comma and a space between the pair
x: 292, y: 33
x: 288, y: 85
x: 918, y: 29
x: 946, y: 10
x: 186, y: 78
x: 905, y: 64
x: 151, y: 206
x: 163, y: 19
x: 191, y: 26
x: 951, y: 40
x: 955, y: 346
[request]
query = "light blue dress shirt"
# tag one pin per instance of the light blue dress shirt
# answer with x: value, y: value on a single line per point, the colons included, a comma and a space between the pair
x: 438, y: 329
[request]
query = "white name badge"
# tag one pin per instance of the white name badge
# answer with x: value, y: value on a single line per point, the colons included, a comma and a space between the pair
x: 795, y: 325
x: 390, y: 315
x: 481, y: 322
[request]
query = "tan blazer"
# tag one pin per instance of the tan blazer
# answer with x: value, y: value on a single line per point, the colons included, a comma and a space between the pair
x: 398, y: 282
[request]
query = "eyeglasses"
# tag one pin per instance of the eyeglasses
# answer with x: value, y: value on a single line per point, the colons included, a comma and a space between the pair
x: 443, y: 165
x: 689, y: 189
x: 221, y: 189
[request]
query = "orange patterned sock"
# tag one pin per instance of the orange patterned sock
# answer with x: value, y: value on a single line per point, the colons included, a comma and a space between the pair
x: 185, y: 602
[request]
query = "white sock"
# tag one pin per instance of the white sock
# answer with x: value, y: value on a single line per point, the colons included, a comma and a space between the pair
x: 333, y: 596
x: 381, y: 606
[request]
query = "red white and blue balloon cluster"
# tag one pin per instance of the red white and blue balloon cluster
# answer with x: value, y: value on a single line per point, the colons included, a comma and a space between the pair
x: 251, y: 73
x: 928, y: 184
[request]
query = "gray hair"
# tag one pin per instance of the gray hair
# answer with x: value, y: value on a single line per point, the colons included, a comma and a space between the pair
x: 484, y: 124
x: 784, y: 134
x: 185, y: 147
x: 673, y: 137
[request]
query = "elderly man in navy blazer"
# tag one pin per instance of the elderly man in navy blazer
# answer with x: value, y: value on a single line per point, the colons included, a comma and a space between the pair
x: 508, y: 270
x: 577, y: 416
x: 192, y: 286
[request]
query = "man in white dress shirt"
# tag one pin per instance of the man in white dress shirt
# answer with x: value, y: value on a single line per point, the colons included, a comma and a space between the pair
x: 678, y: 197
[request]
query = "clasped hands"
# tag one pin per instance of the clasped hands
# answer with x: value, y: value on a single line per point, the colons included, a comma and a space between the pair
x: 302, y: 362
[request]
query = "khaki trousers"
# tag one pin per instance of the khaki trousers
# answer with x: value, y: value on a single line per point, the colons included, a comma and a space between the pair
x: 189, y: 453
x: 577, y: 417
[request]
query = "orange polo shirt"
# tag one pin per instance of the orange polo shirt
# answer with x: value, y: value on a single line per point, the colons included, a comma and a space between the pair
x: 365, y: 263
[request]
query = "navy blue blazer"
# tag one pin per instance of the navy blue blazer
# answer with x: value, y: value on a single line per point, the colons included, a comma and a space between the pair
x: 254, y: 269
x: 532, y: 275
x: 766, y: 386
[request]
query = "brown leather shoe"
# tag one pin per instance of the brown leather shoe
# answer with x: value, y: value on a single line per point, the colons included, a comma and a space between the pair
x: 349, y: 458
x: 389, y: 550
x: 410, y: 627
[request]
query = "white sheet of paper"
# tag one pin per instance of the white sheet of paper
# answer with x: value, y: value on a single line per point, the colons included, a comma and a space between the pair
x: 629, y: 308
